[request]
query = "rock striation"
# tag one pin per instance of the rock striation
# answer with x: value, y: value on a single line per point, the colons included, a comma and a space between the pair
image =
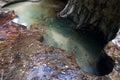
x: 99, y: 16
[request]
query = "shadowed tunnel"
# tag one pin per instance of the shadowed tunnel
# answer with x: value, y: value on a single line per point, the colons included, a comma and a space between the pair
x: 92, y: 21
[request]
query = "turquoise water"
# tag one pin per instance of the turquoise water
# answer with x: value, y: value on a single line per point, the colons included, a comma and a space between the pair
x: 58, y: 32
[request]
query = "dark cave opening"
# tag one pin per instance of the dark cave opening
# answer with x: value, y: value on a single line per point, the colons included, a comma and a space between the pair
x: 105, y: 64
x: 63, y: 1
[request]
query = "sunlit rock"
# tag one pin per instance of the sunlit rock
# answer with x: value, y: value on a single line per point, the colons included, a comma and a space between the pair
x: 10, y: 30
x: 6, y: 16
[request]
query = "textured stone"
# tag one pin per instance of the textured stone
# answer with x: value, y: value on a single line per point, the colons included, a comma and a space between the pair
x: 6, y: 16
x: 113, y: 50
x: 26, y: 58
x: 10, y: 30
x: 99, y: 16
x: 6, y: 2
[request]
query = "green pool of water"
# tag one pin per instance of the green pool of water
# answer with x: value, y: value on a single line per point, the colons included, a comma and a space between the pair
x: 58, y: 32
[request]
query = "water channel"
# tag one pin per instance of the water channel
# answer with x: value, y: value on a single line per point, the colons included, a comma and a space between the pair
x: 58, y: 32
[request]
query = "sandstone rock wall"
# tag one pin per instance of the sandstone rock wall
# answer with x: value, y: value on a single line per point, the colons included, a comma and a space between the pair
x: 101, y: 16
x: 23, y: 57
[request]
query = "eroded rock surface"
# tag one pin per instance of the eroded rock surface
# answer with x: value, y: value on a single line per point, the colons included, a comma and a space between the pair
x: 6, y: 2
x: 10, y: 30
x: 6, y: 16
x: 28, y: 59
x: 99, y: 16
x: 23, y: 57
x: 113, y: 50
x: 102, y: 17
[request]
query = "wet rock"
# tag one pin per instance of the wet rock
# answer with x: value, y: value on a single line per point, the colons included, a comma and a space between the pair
x: 6, y: 16
x: 3, y: 3
x: 11, y: 31
x: 113, y: 50
x: 98, y: 15
x: 26, y: 58
x: 105, y: 64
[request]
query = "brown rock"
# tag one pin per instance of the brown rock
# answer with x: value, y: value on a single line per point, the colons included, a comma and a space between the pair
x: 6, y: 16
x: 11, y: 31
x: 28, y: 59
x: 22, y: 57
x: 113, y: 51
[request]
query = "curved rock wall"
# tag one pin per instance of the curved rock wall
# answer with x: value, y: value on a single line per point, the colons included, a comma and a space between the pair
x: 101, y: 16
x: 21, y: 55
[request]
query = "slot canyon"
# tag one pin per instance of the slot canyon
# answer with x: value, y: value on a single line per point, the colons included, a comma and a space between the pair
x: 59, y: 40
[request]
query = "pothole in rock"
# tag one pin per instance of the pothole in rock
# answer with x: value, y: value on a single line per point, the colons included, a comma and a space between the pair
x: 105, y: 64
x: 59, y: 34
